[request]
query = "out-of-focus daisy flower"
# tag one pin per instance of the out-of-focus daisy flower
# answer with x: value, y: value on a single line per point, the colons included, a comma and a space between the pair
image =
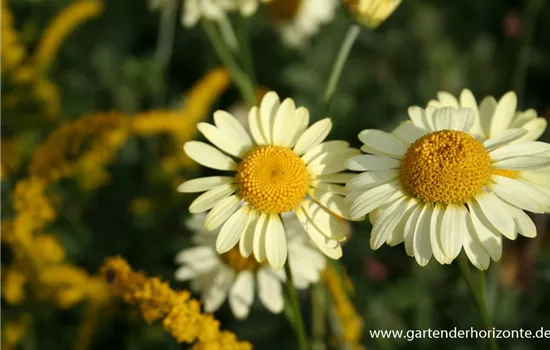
x: 299, y: 20
x: 216, y: 10
x: 231, y: 276
x: 492, y: 117
x: 284, y: 166
x: 439, y: 189
x: 370, y: 13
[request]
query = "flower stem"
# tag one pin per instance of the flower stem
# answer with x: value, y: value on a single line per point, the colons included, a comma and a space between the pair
x: 299, y: 321
x: 318, y: 316
x: 244, y: 48
x: 241, y: 79
x: 478, y: 294
x: 338, y: 66
x: 165, y: 43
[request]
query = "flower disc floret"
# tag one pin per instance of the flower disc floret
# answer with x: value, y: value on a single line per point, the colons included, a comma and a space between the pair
x: 446, y: 166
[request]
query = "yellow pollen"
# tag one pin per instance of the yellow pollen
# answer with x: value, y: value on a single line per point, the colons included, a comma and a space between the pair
x: 272, y: 179
x: 235, y: 260
x: 283, y: 10
x: 512, y: 174
x: 445, y: 166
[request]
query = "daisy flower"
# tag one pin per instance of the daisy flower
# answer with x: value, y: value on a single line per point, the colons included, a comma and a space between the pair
x: 298, y: 20
x: 231, y: 276
x: 216, y: 10
x: 281, y: 166
x: 494, y: 117
x: 438, y: 189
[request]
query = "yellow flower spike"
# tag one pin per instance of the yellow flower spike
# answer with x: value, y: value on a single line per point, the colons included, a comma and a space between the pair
x: 370, y: 13
x: 13, y: 332
x: 12, y: 51
x: 61, y: 26
x: 14, y: 281
x: 180, y: 314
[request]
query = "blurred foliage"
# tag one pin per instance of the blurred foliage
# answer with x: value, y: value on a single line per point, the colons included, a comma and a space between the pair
x: 112, y: 68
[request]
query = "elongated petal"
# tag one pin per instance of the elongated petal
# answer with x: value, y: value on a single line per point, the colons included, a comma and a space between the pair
x: 208, y: 156
x: 210, y: 198
x: 232, y: 230
x: 221, y: 212
x: 224, y: 141
x: 204, y: 183
x: 241, y: 294
x: 283, y: 133
x: 504, y: 138
x: 313, y: 136
x: 382, y: 143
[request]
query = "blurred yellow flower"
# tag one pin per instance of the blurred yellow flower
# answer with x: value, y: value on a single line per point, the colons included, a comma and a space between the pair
x: 13, y: 285
x: 180, y: 314
x: 13, y: 332
x: 13, y: 52
x: 61, y: 26
x: 370, y: 13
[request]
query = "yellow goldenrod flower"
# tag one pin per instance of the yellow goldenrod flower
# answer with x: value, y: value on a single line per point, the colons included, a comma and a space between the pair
x: 180, y: 314
x: 351, y: 324
x: 141, y: 205
x: 370, y: 13
x: 61, y: 26
x: 13, y: 285
x: 13, y: 332
x: 12, y: 51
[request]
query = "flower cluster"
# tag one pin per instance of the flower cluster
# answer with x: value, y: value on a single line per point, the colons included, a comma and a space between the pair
x: 179, y: 313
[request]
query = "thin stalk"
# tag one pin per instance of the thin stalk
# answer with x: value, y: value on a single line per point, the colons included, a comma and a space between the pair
x: 339, y: 63
x: 478, y: 294
x: 299, y: 321
x: 165, y: 42
x: 318, y: 311
x: 529, y: 23
x: 244, y: 48
x: 224, y: 54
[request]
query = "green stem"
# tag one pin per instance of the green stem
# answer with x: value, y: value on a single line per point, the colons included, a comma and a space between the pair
x: 244, y: 48
x: 338, y: 66
x: 241, y: 80
x: 299, y: 321
x: 529, y: 22
x: 478, y: 294
x: 165, y: 42
x: 318, y: 316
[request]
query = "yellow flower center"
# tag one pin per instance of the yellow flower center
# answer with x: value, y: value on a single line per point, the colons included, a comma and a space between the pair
x: 283, y: 10
x: 445, y: 166
x: 272, y: 179
x: 237, y: 262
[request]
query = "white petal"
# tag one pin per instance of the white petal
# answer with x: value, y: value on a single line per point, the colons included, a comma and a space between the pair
x: 453, y: 227
x: 325, y: 222
x: 372, y: 162
x: 504, y: 113
x: 340, y: 178
x: 494, y: 210
x: 210, y: 198
x: 524, y: 225
x: 208, y: 156
x: 224, y: 141
x: 436, y: 232
x: 323, y: 148
x: 448, y: 118
x: 232, y: 230
x: 241, y: 294
x: 246, y: 242
x: 504, y: 138
x: 523, y: 163
x: 486, y: 111
x: 535, y: 128
x: 489, y: 237
x: 204, y: 183
x: 447, y: 99
x: 520, y: 194
x: 474, y: 249
x: 387, y: 221
x: 417, y: 116
x: 336, y: 204
x: 411, y: 227
x: 329, y: 247
x: 221, y: 212
x: 408, y: 132
x: 231, y: 126
x: 258, y: 243
x: 527, y: 148
x: 270, y: 291
x: 370, y: 179
x: 382, y: 143
x: 421, y: 240
x: 373, y: 198
x: 217, y: 291
x: 268, y: 109
x: 313, y: 136
x: 254, y: 125
x: 275, y: 242
x: 284, y: 121
x: 194, y: 254
x: 331, y: 162
x: 468, y: 100
x: 301, y: 122
x: 333, y: 188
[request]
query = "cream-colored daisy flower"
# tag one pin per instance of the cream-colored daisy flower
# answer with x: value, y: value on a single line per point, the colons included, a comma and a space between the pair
x: 298, y: 20
x: 282, y: 166
x: 494, y: 117
x: 216, y: 10
x: 233, y: 277
x: 438, y: 189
